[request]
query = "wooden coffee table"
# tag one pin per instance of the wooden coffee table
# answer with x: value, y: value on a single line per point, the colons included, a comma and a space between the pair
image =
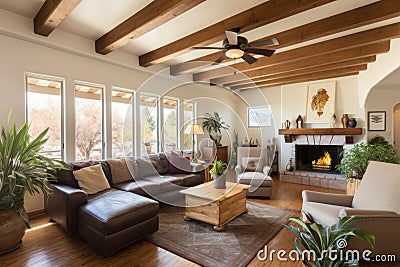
x: 215, y: 206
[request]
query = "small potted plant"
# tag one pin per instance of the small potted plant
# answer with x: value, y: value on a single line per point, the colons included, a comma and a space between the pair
x: 22, y: 170
x: 213, y: 125
x: 355, y: 161
x: 147, y: 146
x: 322, y: 246
x: 218, y: 174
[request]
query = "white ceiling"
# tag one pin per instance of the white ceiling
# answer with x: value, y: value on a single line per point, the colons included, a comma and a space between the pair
x: 93, y: 18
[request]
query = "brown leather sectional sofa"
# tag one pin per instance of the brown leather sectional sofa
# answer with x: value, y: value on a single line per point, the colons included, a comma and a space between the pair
x: 114, y: 218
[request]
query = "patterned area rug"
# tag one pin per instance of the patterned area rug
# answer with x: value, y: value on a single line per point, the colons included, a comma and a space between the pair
x: 237, y: 245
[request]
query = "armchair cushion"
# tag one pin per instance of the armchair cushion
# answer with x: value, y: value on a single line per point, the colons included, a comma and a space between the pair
x: 368, y: 213
x: 379, y: 188
x: 254, y: 164
x: 238, y: 170
x: 324, y: 214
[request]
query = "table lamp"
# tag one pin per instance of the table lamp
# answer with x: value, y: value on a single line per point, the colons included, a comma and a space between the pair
x: 194, y: 129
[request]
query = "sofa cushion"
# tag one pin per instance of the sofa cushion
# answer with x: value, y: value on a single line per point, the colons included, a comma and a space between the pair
x: 165, y: 183
x: 119, y: 171
x: 324, y: 214
x: 91, y: 179
x: 165, y: 163
x: 67, y: 177
x: 379, y: 188
x: 140, y: 187
x: 157, y: 163
x: 178, y: 164
x: 117, y: 211
x: 144, y: 168
x: 254, y: 164
x: 190, y: 179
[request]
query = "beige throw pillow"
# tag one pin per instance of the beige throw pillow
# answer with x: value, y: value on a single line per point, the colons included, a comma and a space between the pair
x: 92, y: 179
x: 119, y: 171
x: 253, y: 164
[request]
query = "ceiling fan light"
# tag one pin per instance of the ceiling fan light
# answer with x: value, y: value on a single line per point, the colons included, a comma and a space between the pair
x: 234, y: 53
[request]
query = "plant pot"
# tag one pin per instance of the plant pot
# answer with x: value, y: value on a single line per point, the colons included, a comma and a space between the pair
x: 216, y: 137
x: 12, y: 229
x: 219, y: 181
x: 352, y: 186
x: 148, y: 149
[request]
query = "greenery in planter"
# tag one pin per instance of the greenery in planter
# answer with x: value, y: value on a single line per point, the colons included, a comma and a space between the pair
x: 355, y: 161
x: 218, y: 168
x: 322, y: 246
x: 214, y: 123
x: 22, y: 168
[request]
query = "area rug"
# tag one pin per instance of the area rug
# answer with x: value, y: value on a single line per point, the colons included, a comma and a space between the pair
x: 237, y: 245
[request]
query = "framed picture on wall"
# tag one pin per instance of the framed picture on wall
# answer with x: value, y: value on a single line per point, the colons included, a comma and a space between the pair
x: 376, y: 120
x: 320, y: 102
x: 259, y: 116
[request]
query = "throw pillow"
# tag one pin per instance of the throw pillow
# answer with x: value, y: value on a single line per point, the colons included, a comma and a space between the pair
x: 165, y: 163
x: 91, y: 179
x: 145, y: 168
x: 66, y: 177
x: 157, y: 164
x: 119, y: 171
x: 80, y: 165
x: 178, y: 164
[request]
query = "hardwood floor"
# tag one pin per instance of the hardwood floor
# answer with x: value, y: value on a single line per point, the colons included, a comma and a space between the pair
x: 47, y: 244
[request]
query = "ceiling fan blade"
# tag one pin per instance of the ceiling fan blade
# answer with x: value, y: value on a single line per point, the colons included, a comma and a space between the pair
x: 220, y: 59
x: 232, y: 37
x: 249, y: 58
x: 208, y: 47
x: 260, y: 51
x: 266, y: 42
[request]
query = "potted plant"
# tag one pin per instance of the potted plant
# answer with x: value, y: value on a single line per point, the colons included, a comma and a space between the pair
x: 22, y: 169
x: 323, y: 246
x: 218, y: 174
x: 355, y: 161
x: 213, y: 125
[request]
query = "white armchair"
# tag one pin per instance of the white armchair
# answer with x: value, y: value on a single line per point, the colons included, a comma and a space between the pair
x: 253, y: 169
x: 376, y: 202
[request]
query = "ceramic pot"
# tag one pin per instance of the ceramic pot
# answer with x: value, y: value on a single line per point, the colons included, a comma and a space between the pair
x: 216, y: 137
x: 219, y: 181
x: 12, y: 229
x: 352, y: 123
x: 345, y: 120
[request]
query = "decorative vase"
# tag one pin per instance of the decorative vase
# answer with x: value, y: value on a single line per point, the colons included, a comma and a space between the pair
x: 287, y: 124
x: 352, y: 123
x: 352, y: 185
x: 12, y: 229
x: 219, y: 181
x: 345, y: 120
x: 290, y: 165
x: 299, y: 122
x: 216, y: 137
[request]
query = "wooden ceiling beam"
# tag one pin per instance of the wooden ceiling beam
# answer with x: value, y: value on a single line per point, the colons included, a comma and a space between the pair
x: 150, y: 17
x: 353, y: 40
x: 304, y: 77
x: 358, y: 17
x: 250, y: 19
x: 314, y: 63
x: 51, y: 14
x: 298, y: 73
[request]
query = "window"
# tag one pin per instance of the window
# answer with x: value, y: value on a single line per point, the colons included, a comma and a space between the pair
x: 188, y: 118
x: 88, y: 122
x: 169, y: 126
x: 122, y: 122
x: 148, y: 123
x: 44, y: 110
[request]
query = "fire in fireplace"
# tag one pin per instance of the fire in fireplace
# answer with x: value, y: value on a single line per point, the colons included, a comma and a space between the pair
x: 323, y: 163
x: 318, y: 158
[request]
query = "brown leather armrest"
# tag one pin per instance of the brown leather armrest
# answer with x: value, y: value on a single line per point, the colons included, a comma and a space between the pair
x: 63, y: 205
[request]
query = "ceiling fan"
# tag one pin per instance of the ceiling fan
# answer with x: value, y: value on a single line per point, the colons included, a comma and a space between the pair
x: 238, y: 47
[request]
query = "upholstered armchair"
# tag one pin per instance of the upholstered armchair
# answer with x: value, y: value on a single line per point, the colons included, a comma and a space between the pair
x: 376, y: 202
x: 253, y: 169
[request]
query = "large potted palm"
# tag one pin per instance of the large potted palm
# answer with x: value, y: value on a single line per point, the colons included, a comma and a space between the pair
x: 213, y: 125
x: 22, y: 170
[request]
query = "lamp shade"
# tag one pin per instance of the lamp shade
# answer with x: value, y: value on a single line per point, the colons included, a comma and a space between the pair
x: 194, y: 129
x: 234, y: 53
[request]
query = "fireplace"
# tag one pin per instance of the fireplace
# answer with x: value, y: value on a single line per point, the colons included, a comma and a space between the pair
x: 318, y: 158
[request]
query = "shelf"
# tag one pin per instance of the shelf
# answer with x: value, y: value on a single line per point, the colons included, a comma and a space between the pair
x: 348, y: 132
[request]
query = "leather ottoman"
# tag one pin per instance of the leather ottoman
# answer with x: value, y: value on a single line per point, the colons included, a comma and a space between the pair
x: 117, y: 219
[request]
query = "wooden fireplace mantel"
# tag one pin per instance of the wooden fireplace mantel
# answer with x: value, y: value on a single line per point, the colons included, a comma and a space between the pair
x: 291, y: 133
